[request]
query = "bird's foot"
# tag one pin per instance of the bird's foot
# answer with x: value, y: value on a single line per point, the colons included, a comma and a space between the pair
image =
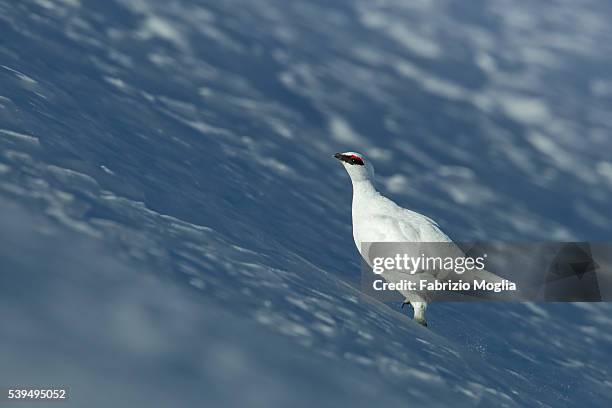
x: 421, y: 321
x: 407, y: 303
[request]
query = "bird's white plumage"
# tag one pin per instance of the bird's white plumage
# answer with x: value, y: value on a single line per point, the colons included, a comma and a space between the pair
x: 378, y: 219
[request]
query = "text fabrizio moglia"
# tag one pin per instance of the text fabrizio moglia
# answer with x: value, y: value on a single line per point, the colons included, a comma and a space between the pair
x: 444, y: 285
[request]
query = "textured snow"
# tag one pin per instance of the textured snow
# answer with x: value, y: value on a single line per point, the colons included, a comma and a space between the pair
x: 175, y: 231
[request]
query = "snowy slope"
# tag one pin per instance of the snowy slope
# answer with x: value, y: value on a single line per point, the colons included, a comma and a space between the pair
x: 175, y: 231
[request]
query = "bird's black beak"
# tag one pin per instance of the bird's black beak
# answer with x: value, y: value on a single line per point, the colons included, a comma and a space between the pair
x: 351, y: 159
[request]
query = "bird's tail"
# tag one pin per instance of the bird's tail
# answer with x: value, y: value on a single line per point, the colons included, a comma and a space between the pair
x: 490, y: 277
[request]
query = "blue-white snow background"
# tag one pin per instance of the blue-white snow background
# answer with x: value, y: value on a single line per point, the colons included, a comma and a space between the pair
x: 175, y: 232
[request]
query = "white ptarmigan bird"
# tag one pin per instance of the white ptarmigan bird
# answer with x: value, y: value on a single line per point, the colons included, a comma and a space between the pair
x: 378, y: 219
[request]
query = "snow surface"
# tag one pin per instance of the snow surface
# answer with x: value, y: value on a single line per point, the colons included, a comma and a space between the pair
x: 175, y: 231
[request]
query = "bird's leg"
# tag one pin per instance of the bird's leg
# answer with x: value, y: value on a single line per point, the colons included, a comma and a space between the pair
x: 419, y: 312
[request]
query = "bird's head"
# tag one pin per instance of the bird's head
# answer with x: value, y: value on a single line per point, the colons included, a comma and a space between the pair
x: 356, y: 165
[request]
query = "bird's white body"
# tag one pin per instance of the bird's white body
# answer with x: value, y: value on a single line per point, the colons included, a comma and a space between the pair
x: 378, y: 219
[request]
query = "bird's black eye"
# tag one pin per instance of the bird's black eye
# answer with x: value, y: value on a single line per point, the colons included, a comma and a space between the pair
x: 356, y: 160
